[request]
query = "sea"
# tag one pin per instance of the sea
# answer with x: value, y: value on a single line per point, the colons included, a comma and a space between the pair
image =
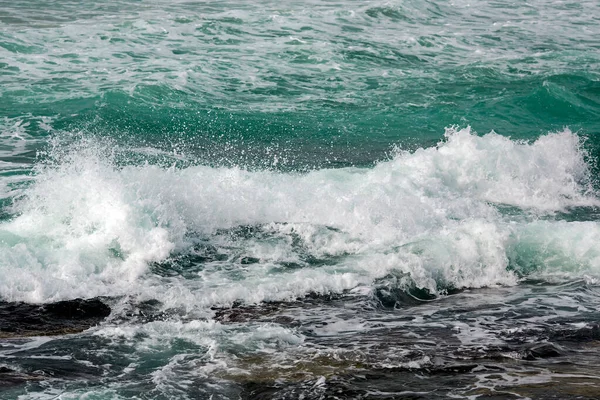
x: 299, y: 199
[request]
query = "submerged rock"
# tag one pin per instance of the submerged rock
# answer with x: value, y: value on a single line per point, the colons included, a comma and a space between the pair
x: 63, y: 317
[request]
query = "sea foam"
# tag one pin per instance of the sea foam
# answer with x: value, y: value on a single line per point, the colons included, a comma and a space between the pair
x: 88, y: 227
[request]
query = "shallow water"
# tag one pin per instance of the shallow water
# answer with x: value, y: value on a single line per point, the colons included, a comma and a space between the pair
x: 308, y: 199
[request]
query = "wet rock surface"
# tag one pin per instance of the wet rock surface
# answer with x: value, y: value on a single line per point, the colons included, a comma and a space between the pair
x: 319, y: 346
x: 63, y: 317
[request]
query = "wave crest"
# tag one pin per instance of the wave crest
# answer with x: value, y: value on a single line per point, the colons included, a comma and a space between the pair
x: 87, y: 227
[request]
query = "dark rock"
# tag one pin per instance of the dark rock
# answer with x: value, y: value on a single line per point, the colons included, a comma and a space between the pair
x: 243, y: 313
x: 543, y: 350
x: 63, y: 317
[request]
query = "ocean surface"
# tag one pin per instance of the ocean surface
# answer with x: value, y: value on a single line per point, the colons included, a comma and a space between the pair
x: 299, y: 199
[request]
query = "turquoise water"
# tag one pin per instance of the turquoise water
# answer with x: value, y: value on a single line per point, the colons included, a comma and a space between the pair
x: 307, y: 198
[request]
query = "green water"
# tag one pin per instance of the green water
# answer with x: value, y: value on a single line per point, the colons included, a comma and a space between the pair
x: 343, y: 81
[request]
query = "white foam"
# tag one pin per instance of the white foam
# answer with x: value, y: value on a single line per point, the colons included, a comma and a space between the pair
x: 87, y: 227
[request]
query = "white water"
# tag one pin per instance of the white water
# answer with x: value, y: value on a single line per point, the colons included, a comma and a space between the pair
x: 87, y: 227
